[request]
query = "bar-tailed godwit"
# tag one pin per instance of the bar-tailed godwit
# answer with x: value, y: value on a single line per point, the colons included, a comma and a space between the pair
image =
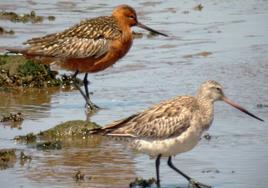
x: 88, y: 47
x: 173, y: 126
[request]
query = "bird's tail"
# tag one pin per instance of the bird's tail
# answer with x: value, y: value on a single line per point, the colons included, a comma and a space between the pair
x: 16, y: 51
x: 99, y: 131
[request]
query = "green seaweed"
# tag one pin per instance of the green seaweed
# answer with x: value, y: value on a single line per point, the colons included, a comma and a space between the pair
x: 17, y: 71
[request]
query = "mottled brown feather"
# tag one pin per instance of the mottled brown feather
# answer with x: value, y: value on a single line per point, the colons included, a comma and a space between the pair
x: 165, y: 120
x: 89, y: 38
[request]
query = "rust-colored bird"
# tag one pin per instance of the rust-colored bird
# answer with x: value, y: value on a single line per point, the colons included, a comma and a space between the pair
x: 173, y: 126
x: 88, y: 47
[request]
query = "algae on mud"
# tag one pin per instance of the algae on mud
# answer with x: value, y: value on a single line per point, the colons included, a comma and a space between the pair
x: 28, y: 138
x: 54, y: 138
x: 17, y: 117
x: 25, y: 18
x: 74, y: 128
x: 18, y: 71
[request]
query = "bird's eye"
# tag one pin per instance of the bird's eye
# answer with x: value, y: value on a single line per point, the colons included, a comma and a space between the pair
x: 218, y: 89
x: 131, y: 17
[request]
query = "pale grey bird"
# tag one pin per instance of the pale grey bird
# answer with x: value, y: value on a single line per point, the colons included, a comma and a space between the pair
x: 173, y: 126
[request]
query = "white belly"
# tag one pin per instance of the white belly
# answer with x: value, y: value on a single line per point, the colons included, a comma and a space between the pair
x: 171, y: 146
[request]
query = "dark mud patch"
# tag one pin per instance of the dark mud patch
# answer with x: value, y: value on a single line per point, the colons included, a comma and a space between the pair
x: 24, y: 18
x: 7, y: 158
x: 140, y: 182
x: 17, y: 71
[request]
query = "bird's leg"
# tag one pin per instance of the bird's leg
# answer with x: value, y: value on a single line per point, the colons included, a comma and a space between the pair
x: 157, y: 163
x: 77, y: 86
x: 89, y: 104
x: 191, y: 180
x: 86, y: 82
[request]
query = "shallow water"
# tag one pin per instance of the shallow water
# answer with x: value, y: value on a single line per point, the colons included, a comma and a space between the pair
x: 157, y: 68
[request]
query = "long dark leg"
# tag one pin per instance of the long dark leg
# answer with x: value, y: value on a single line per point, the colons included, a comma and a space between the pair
x: 77, y: 86
x: 86, y: 82
x: 157, y: 163
x: 191, y: 180
x: 90, y: 104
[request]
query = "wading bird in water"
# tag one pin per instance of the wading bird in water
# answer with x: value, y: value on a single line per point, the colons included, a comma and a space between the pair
x: 88, y: 47
x: 171, y: 127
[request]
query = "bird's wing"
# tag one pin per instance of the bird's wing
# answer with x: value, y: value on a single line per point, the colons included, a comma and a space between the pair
x: 71, y: 47
x: 165, y: 120
x: 90, y: 38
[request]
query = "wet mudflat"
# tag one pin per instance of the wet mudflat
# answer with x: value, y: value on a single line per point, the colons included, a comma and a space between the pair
x: 225, y: 40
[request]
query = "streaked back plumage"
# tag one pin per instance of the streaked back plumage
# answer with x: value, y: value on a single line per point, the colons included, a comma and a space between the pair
x: 89, y: 38
x: 165, y: 120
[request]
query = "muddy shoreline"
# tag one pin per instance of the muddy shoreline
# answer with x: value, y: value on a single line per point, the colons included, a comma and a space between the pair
x: 225, y: 41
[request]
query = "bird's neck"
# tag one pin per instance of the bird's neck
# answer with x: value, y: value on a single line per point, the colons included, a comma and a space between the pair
x: 207, y: 110
x: 124, y: 27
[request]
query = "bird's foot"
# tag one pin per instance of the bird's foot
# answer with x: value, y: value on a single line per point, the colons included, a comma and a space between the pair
x: 195, y: 184
x: 158, y: 184
x: 91, y: 107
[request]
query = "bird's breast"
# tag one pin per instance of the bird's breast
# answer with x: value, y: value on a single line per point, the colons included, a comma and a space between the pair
x: 170, y: 146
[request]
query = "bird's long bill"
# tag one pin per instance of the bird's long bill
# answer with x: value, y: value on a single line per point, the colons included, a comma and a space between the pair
x: 150, y: 29
x: 228, y: 101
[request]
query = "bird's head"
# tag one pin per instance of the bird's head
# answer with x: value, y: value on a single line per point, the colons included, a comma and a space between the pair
x: 128, y: 16
x: 212, y: 91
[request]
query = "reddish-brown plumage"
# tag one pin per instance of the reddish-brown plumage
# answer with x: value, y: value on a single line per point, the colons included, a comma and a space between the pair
x: 116, y: 51
x: 90, y: 46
